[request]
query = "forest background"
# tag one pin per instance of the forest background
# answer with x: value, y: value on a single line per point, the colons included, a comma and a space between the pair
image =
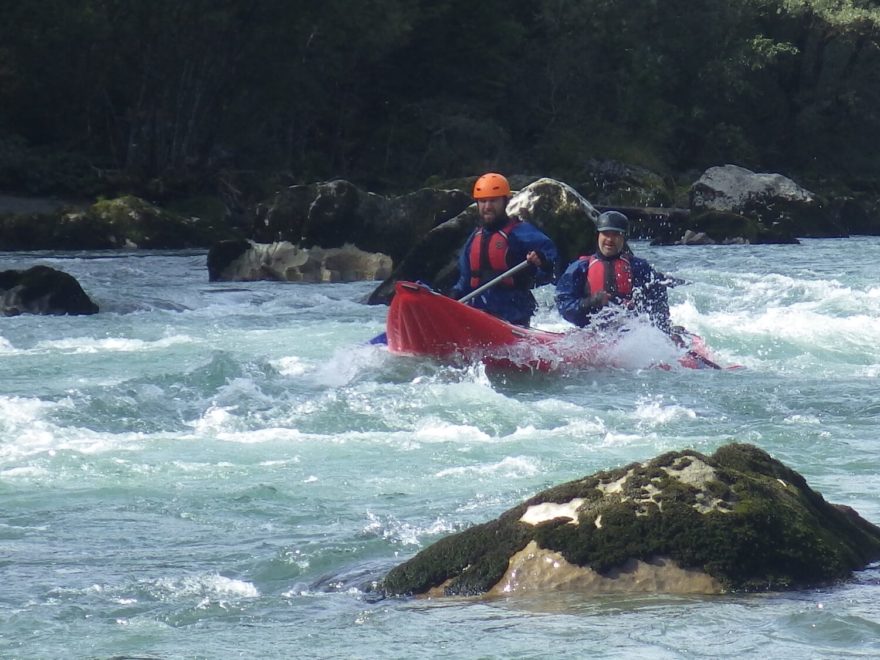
x: 181, y: 97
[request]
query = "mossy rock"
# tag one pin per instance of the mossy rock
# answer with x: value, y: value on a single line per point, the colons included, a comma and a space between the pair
x: 208, y: 208
x: 133, y: 222
x: 738, y: 516
x: 612, y: 183
x: 123, y: 222
x: 722, y: 227
x: 63, y: 230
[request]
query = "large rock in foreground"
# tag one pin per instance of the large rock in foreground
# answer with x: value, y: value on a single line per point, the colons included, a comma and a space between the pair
x: 680, y: 523
x: 42, y: 290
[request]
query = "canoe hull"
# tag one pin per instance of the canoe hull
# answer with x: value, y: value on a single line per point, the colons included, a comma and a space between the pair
x: 422, y: 322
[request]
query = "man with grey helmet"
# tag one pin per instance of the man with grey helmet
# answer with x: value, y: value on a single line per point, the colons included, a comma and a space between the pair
x: 597, y: 287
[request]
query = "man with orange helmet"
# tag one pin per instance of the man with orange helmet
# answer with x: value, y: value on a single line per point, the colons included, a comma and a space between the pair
x: 498, y: 244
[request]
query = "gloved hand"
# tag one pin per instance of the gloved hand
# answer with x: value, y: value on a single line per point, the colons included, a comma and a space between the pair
x: 594, y: 302
x: 679, y: 335
x: 678, y: 340
x: 536, y: 259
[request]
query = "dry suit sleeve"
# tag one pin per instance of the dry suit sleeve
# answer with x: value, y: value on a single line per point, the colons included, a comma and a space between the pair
x: 463, y: 285
x: 570, y: 291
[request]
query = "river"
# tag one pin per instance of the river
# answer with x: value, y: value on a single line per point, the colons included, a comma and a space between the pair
x: 216, y: 470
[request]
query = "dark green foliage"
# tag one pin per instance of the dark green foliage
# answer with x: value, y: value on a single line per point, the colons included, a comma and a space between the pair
x: 387, y: 93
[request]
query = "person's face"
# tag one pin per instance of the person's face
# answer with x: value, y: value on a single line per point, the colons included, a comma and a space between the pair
x: 611, y: 243
x: 491, y: 208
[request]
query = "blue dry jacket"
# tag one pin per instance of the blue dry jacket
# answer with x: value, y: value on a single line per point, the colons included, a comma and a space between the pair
x: 515, y: 304
x: 648, y: 295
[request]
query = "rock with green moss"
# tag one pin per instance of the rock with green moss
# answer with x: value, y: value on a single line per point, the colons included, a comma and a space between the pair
x: 132, y: 222
x: 710, y: 227
x: 738, y: 520
x: 615, y: 184
x: 126, y: 222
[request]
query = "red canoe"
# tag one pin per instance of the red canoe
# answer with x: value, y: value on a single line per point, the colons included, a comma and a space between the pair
x: 424, y: 323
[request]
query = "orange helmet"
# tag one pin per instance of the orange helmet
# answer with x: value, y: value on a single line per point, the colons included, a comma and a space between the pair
x: 491, y: 185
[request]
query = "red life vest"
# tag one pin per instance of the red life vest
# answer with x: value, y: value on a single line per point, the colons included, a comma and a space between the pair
x: 488, y: 255
x: 612, y: 276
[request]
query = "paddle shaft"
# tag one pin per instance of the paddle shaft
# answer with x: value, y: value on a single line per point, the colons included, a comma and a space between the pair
x: 704, y: 360
x: 488, y: 285
x: 678, y: 340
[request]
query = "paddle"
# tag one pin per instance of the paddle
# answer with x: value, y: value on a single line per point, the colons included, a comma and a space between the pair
x: 702, y: 358
x: 383, y: 337
x: 488, y: 285
x: 678, y: 334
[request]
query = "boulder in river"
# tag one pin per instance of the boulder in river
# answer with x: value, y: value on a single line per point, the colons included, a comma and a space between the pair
x: 42, y: 290
x: 738, y: 520
x: 246, y: 261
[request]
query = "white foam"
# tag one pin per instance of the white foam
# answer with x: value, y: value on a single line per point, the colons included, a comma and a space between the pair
x: 290, y: 366
x: 241, y: 389
x: 810, y: 311
x: 258, y: 436
x: 802, y: 419
x: 20, y: 412
x: 25, y: 420
x: 392, y: 529
x: 512, y: 467
x: 208, y: 586
x: 642, y: 347
x: 583, y: 428
x: 436, y: 430
x: 213, y: 420
x: 109, y: 344
x: 30, y: 472
x: 654, y: 413
x: 347, y: 364
x: 620, y: 439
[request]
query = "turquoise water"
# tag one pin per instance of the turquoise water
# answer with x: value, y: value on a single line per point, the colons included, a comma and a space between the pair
x: 215, y: 470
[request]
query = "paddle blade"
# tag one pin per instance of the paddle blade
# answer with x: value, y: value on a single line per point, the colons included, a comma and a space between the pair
x: 379, y: 339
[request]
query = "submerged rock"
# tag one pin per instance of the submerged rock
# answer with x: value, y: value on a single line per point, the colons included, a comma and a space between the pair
x: 680, y: 523
x: 42, y: 290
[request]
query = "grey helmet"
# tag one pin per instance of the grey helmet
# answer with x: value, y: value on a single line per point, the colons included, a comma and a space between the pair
x: 613, y: 221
